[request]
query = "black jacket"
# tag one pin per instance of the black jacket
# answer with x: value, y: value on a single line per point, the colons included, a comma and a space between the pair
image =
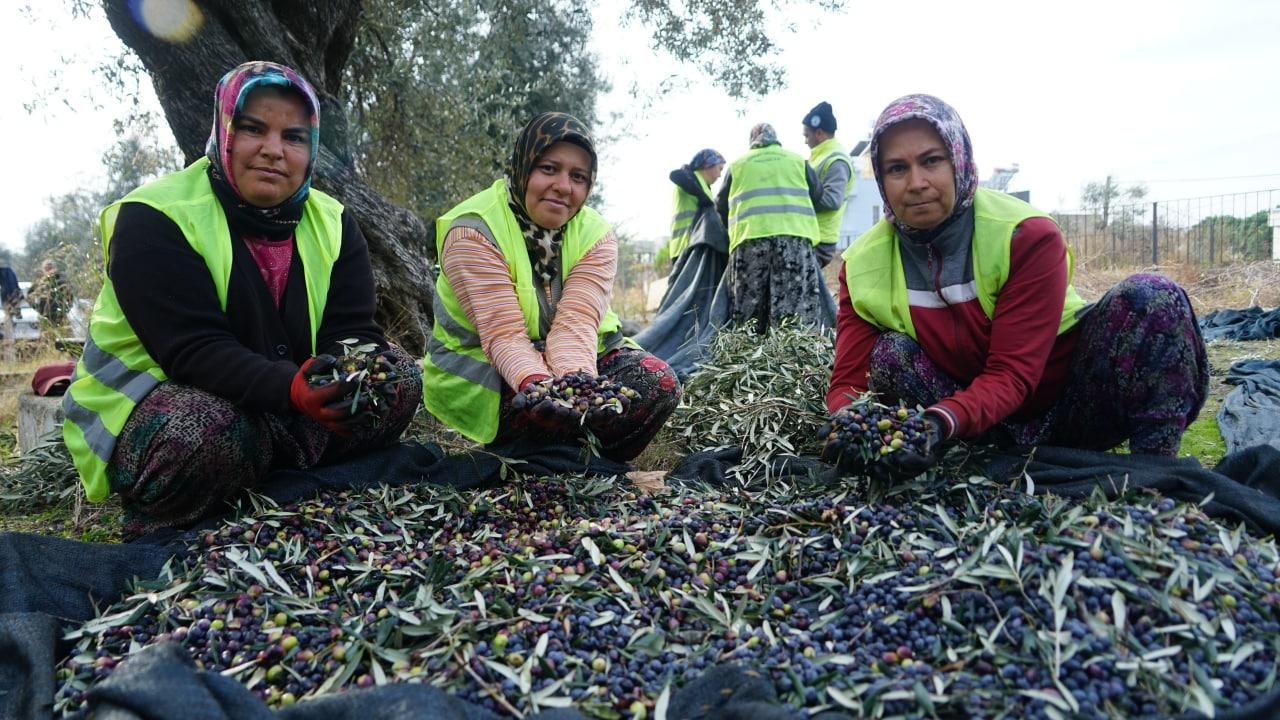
x: 250, y: 353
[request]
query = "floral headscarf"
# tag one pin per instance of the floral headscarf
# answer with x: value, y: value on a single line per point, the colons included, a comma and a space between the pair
x: 228, y: 102
x: 541, y: 133
x: 947, y: 123
x: 763, y: 135
x: 705, y: 158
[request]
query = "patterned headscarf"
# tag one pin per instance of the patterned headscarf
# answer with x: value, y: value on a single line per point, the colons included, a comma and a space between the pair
x: 228, y: 102
x: 763, y: 135
x: 705, y: 158
x: 541, y: 133
x: 946, y: 122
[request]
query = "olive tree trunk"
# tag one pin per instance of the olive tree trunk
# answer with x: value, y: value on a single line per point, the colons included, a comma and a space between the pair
x: 315, y: 37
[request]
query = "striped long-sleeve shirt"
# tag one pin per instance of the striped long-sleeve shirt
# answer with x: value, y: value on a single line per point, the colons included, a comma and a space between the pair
x: 482, y: 282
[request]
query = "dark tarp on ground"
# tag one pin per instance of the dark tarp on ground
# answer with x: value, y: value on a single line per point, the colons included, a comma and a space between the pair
x: 1249, y: 324
x: 695, y: 307
x: 1245, y: 485
x: 48, y: 580
x: 45, y: 580
x: 696, y: 303
x: 161, y: 683
x: 1250, y: 414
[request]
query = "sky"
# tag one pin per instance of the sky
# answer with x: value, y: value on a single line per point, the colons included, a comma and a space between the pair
x: 1180, y: 95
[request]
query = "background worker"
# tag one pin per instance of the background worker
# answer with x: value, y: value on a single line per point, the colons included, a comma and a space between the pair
x: 831, y: 162
x: 766, y: 201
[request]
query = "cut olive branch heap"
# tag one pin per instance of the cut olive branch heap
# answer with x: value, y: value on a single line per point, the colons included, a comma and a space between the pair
x: 872, y: 430
x: 373, y: 377
x: 968, y: 599
x: 583, y: 393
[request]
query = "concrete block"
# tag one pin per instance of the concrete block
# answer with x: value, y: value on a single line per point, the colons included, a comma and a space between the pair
x: 38, y: 418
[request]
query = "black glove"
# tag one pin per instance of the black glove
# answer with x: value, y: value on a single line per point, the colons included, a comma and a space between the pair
x: 544, y: 411
x: 907, y: 462
x: 846, y: 457
x: 387, y: 386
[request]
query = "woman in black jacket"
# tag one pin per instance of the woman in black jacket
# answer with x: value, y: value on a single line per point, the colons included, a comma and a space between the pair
x: 230, y: 286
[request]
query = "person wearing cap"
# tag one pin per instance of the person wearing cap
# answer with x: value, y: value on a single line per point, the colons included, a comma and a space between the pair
x: 960, y: 301
x: 522, y: 297
x: 229, y: 287
x: 766, y: 200
x: 835, y: 177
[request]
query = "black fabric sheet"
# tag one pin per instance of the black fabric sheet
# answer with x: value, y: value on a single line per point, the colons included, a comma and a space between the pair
x: 1250, y: 414
x: 694, y: 308
x: 1249, y: 324
x: 49, y: 580
x: 1245, y: 485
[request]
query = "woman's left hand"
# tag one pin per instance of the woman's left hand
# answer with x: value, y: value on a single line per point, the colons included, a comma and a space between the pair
x: 905, y: 463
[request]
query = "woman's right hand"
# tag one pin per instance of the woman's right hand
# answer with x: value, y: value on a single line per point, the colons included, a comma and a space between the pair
x: 328, y: 403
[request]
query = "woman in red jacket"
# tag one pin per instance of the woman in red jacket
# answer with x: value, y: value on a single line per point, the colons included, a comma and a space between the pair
x: 960, y: 300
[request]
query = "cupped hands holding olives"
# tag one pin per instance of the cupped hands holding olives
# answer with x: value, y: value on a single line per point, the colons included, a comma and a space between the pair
x: 867, y: 437
x: 368, y: 380
x: 575, y: 400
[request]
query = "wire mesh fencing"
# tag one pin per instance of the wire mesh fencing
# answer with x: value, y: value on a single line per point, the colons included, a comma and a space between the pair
x: 1204, y: 231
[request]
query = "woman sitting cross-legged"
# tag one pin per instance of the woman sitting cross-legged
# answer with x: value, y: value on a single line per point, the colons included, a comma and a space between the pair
x: 961, y: 301
x: 522, y: 301
x: 229, y: 286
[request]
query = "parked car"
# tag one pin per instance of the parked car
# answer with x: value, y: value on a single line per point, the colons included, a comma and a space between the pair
x: 27, y: 325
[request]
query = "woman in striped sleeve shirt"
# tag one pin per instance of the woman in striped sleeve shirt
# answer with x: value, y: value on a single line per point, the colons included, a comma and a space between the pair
x: 526, y: 272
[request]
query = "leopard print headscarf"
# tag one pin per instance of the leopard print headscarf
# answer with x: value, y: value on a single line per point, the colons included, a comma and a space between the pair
x: 541, y: 133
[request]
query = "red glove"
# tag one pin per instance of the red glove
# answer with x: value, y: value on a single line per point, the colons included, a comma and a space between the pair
x: 329, y: 404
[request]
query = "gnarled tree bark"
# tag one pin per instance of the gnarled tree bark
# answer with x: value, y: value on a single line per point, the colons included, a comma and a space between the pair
x: 315, y: 37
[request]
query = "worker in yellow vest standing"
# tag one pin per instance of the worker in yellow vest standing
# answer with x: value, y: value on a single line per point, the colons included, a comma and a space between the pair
x: 229, y: 287
x: 961, y: 301
x: 835, y: 177
x: 522, y: 302
x: 766, y: 201
x: 691, y: 196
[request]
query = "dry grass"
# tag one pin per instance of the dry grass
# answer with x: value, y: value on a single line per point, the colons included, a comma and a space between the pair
x: 1235, y: 286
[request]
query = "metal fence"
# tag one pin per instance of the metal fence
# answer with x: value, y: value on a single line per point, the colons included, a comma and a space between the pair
x: 1204, y: 231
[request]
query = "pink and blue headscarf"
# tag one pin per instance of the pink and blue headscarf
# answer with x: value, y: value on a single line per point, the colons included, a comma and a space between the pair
x: 948, y: 125
x: 228, y: 102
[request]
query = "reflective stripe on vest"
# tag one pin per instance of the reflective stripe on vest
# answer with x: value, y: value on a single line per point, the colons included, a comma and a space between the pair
x: 460, y: 386
x: 769, y: 196
x: 877, y: 283
x: 823, y: 156
x: 115, y: 372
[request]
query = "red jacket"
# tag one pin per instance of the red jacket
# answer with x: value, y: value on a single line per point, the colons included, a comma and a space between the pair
x: 1010, y: 366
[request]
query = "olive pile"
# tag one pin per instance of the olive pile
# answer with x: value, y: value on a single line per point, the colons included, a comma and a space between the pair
x: 581, y: 392
x: 870, y: 430
x: 969, y: 598
x: 373, y: 376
